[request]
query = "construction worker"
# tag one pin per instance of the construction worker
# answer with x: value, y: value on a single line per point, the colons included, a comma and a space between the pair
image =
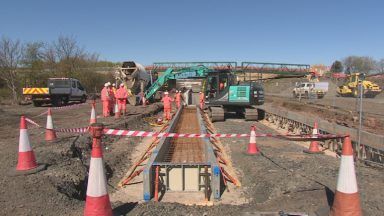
x: 221, y: 86
x: 202, y: 100
x: 105, y: 100
x: 167, y: 105
x: 112, y: 98
x: 114, y: 88
x: 178, y: 99
x: 121, y: 96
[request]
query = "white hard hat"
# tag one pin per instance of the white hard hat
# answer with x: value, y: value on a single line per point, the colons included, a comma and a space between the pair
x: 166, y: 93
x: 109, y: 83
x: 177, y: 91
x: 121, y: 84
x: 113, y: 84
x: 105, y: 84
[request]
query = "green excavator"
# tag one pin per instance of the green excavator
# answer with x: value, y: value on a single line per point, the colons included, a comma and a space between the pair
x: 223, y: 92
x: 220, y: 82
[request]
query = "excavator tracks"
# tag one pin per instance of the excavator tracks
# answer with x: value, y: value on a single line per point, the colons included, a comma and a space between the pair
x: 216, y: 114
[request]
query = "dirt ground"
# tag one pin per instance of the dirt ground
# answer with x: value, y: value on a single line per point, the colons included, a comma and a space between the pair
x: 282, y: 178
x: 60, y: 190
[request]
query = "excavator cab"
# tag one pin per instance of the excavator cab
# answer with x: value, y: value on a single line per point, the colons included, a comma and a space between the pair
x: 225, y: 94
x: 217, y: 84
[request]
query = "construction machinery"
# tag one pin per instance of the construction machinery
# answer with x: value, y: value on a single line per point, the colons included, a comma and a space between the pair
x: 135, y: 78
x: 350, y: 87
x: 223, y: 92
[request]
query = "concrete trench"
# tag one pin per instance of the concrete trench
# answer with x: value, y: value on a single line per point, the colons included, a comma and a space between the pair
x: 185, y: 164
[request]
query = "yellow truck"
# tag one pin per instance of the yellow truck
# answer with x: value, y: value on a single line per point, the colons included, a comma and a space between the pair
x: 350, y: 87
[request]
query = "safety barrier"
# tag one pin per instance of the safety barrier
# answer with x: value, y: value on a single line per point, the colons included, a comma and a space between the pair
x: 370, y: 150
x: 61, y: 108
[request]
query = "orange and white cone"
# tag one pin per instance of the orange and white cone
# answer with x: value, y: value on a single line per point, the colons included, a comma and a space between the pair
x: 26, y: 160
x: 347, y: 199
x: 50, y: 133
x: 314, y: 145
x: 117, y: 111
x: 93, y: 115
x: 252, y: 147
x: 97, y: 201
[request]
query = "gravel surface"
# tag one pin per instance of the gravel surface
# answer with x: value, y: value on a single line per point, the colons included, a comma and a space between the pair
x: 281, y: 178
x: 59, y: 190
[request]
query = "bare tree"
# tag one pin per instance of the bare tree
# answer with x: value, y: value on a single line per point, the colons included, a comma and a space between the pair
x: 50, y: 58
x: 69, y: 54
x: 11, y: 54
x: 380, y: 65
x: 363, y: 64
x: 33, y: 62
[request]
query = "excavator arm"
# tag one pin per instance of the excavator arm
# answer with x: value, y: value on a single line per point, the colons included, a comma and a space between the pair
x: 170, y: 73
x: 159, y: 83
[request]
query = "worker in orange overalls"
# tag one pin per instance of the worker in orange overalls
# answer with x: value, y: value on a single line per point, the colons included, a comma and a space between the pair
x: 121, y: 96
x: 105, y: 100
x: 167, y: 105
x: 178, y: 99
x: 112, y: 98
x: 202, y: 100
x: 114, y: 88
x: 221, y: 86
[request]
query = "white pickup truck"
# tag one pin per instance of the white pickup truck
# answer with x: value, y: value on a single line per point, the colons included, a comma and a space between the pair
x: 310, y: 89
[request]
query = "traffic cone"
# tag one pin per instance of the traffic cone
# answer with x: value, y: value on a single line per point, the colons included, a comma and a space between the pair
x: 314, y: 145
x: 347, y: 199
x: 93, y: 115
x: 26, y: 162
x: 252, y: 148
x: 117, y: 111
x: 50, y: 133
x: 97, y: 201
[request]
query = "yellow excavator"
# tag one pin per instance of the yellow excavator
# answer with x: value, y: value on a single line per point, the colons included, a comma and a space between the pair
x: 350, y: 87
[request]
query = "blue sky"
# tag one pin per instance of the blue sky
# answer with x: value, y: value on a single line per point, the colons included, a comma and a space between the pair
x: 290, y: 31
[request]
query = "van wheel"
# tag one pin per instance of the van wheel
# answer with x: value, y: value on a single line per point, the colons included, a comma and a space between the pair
x: 65, y: 101
x: 83, y: 99
x: 37, y: 103
x: 57, y: 102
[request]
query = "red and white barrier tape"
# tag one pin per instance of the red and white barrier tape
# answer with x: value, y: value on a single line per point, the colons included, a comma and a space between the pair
x: 157, y: 134
x: 63, y: 130
x: 116, y: 132
x: 72, y: 130
x: 32, y: 122
x: 61, y: 108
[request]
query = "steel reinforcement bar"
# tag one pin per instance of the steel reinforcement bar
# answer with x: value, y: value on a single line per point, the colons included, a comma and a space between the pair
x: 171, y: 169
x: 371, y: 148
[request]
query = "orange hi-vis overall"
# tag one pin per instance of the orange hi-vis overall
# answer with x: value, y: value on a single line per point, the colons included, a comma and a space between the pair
x: 202, y: 100
x: 121, y: 96
x: 167, y: 106
x: 106, y: 101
